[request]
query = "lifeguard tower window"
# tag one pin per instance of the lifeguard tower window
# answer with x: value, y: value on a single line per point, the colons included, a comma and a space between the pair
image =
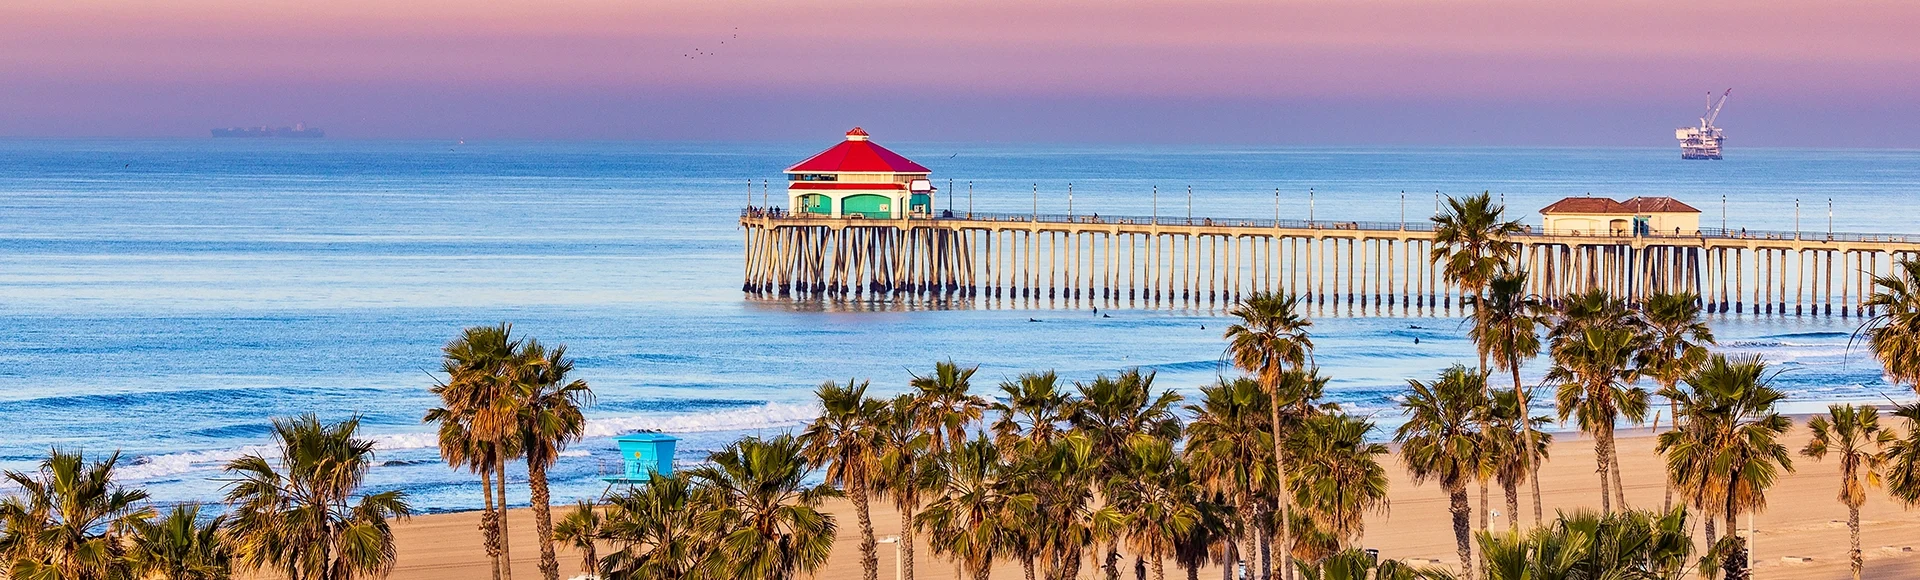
x: 813, y: 177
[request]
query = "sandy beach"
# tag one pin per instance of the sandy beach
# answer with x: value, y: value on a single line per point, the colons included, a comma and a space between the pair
x: 1803, y: 521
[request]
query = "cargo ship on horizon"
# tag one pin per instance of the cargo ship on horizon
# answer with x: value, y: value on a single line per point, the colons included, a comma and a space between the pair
x: 298, y: 130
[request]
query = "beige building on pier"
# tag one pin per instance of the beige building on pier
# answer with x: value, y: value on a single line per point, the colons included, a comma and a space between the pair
x: 1600, y: 216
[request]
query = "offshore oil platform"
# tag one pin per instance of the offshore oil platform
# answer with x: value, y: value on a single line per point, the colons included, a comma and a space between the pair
x: 1703, y: 142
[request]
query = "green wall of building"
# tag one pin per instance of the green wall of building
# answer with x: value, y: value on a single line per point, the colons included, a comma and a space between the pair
x: 869, y: 205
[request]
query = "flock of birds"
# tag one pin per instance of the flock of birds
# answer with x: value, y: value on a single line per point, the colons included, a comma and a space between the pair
x: 697, y: 52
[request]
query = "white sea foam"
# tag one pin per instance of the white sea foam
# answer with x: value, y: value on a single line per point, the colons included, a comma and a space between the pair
x: 745, y: 419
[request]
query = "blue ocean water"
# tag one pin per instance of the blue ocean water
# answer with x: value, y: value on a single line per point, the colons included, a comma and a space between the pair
x: 166, y: 299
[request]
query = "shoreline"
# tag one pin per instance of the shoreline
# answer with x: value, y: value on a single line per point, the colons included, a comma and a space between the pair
x: 1803, y: 520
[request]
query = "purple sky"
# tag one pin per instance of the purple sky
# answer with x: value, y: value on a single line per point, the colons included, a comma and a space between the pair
x: 1831, y: 73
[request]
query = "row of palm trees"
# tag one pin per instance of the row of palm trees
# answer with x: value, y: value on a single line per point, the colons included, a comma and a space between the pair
x: 300, y: 512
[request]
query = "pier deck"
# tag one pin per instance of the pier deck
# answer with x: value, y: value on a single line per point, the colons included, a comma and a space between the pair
x: 1374, y: 266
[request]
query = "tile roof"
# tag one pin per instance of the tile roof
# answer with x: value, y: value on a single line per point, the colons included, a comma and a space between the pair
x: 1587, y: 205
x: 1658, y: 205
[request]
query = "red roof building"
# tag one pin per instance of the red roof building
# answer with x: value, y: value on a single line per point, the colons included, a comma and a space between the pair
x: 859, y: 178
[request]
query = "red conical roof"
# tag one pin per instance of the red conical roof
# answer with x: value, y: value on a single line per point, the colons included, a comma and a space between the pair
x: 857, y: 154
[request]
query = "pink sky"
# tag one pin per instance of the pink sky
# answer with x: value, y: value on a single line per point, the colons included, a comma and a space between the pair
x: 1813, y: 73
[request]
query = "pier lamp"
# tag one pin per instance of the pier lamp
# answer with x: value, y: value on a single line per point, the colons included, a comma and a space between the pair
x: 1403, y: 210
x: 1796, y: 218
x: 1036, y: 202
x: 1829, y: 218
x: 1309, y: 207
x: 1189, y: 205
x: 969, y: 199
x: 898, y: 573
x: 1069, y: 202
x: 1156, y: 205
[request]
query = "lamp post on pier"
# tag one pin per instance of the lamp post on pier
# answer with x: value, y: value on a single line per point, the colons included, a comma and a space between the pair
x: 1403, y: 210
x: 1189, y: 205
x: 1036, y: 202
x: 1723, y: 214
x: 969, y: 199
x: 1156, y: 205
x: 1829, y: 218
x: 1309, y: 207
x: 1069, y: 202
x: 1796, y: 219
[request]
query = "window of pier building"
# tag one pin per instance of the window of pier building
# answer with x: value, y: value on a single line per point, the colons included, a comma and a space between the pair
x: 813, y: 177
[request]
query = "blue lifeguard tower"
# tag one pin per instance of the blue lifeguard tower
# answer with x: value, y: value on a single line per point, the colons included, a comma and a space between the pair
x: 644, y: 454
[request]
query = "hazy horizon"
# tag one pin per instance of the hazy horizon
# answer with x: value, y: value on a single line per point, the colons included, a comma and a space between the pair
x: 1292, y: 72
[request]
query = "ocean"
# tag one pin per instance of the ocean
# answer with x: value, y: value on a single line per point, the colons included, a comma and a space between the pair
x: 167, y: 299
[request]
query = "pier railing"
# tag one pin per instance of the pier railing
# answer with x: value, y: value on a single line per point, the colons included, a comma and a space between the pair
x: 1348, y: 225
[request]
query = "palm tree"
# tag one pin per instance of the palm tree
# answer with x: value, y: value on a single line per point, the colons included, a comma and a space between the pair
x: 763, y: 516
x: 1111, y: 410
x: 69, y: 521
x: 904, y: 470
x: 655, y: 531
x: 943, y: 407
x: 1676, y: 344
x: 1153, y: 500
x: 1594, y: 370
x: 1519, y: 448
x: 1470, y: 241
x: 967, y: 521
x: 1035, y: 409
x: 1893, y: 332
x: 1731, y: 432
x: 460, y: 447
x: 180, y: 546
x: 1337, y: 478
x: 1269, y: 339
x: 548, y: 412
x: 1853, y: 435
x: 1229, y: 446
x: 303, y: 515
x: 1902, y: 468
x: 845, y: 440
x: 1060, y: 477
x: 1628, y: 544
x: 478, y: 421
x: 1508, y: 332
x: 580, y: 528
x: 1441, y: 442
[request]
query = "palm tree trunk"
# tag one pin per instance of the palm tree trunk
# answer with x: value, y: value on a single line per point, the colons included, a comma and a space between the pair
x: 543, y: 520
x: 1603, y: 454
x: 1159, y: 568
x: 490, y: 521
x: 1462, y: 526
x: 869, y: 548
x: 1265, y: 571
x: 506, y: 554
x: 1513, y: 505
x: 906, y: 544
x: 1484, y: 512
x: 1709, y: 527
x: 1026, y: 568
x: 1285, y: 501
x: 1853, y: 531
x: 1673, y: 409
x: 1112, y: 564
x: 1526, y: 427
x: 1736, y: 566
x: 1619, y: 488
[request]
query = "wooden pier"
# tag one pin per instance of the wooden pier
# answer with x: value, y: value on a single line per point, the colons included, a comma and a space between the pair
x: 1339, y: 267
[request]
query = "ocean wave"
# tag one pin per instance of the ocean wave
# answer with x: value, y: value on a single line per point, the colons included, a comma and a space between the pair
x: 764, y: 416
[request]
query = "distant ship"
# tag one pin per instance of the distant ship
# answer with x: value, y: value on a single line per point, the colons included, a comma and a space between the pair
x: 1703, y: 142
x: 298, y: 130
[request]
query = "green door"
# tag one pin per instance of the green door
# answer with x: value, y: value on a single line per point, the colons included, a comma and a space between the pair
x: 867, y: 205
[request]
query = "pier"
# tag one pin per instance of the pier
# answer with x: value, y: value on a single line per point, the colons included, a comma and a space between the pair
x: 1337, y: 267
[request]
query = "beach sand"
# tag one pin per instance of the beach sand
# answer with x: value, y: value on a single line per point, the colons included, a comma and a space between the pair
x: 1804, y: 519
